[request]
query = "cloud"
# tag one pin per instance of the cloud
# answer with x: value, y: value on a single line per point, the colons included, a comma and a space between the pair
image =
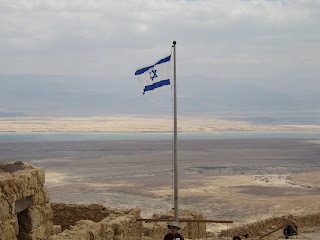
x: 261, y: 43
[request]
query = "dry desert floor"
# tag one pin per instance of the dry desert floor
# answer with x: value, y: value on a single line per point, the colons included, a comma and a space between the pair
x: 243, y: 180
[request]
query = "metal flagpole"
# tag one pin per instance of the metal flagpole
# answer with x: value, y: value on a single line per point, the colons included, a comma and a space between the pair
x: 175, y: 139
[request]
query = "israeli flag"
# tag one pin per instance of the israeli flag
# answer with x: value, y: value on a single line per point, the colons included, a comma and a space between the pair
x: 153, y: 77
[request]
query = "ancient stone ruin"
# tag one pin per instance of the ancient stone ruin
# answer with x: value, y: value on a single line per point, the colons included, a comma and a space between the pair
x: 94, y: 221
x: 25, y: 211
x: 256, y: 228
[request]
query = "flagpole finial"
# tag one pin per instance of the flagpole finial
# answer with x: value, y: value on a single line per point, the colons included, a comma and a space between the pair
x: 174, y: 42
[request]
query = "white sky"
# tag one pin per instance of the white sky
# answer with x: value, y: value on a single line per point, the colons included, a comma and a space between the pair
x: 270, y: 44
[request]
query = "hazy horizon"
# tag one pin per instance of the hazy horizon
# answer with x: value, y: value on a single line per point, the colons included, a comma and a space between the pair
x: 256, y: 58
x: 34, y: 95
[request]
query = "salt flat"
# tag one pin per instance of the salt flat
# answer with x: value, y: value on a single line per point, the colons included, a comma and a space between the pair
x: 138, y: 124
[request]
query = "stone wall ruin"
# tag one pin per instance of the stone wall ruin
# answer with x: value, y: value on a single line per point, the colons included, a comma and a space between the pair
x: 190, y: 230
x: 67, y: 215
x: 25, y: 211
x: 265, y: 226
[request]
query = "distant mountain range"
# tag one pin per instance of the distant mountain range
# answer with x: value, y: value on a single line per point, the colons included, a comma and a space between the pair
x: 27, y: 95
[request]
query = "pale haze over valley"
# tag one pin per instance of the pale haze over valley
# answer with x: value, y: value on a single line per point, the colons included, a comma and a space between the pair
x: 78, y: 58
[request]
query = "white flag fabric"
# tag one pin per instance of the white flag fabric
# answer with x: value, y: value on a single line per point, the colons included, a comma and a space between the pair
x: 153, y: 77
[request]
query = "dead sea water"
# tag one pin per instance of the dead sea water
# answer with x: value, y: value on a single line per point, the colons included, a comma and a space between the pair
x: 141, y: 136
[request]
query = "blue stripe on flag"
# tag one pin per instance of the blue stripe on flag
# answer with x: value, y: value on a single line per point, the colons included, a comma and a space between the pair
x: 156, y: 85
x: 167, y: 59
x: 142, y: 70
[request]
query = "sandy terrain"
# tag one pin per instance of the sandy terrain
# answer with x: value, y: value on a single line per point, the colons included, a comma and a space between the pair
x: 230, y: 179
x: 134, y: 124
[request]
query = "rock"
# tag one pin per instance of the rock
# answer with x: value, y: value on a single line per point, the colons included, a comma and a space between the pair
x: 24, y: 197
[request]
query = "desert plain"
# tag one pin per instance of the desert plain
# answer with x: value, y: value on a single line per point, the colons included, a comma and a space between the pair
x: 243, y: 180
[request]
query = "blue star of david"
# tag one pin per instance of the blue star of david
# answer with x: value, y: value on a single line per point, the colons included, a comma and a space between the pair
x: 153, y: 74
